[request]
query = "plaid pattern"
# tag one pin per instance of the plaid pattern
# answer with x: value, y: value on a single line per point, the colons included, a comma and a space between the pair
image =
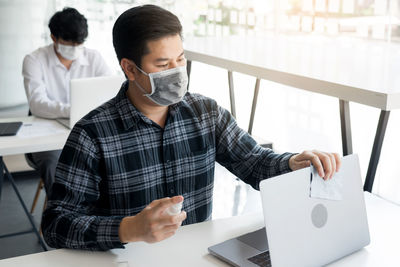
x: 116, y: 161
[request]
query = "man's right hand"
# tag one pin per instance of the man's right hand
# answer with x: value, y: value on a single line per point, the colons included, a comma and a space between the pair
x: 152, y: 224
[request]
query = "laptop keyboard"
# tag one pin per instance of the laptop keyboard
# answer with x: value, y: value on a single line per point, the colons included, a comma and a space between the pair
x: 262, y: 259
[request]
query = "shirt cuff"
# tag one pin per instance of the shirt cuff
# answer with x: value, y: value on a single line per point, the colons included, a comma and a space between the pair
x: 284, y: 163
x: 65, y: 110
x: 108, y: 233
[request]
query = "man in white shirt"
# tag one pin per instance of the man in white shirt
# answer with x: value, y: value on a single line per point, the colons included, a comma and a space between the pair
x: 48, y: 70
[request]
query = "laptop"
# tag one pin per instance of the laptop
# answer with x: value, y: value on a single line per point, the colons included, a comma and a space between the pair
x: 9, y: 128
x: 87, y: 94
x: 303, y: 231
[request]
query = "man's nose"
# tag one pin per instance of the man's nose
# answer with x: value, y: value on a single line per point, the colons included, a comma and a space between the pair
x: 173, y: 64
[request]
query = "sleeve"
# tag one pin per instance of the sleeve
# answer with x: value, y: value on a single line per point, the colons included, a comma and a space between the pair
x: 101, y: 67
x: 240, y: 154
x: 35, y: 88
x: 70, y: 219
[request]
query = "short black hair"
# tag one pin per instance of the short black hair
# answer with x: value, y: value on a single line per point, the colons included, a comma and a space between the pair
x: 138, y: 25
x: 69, y: 25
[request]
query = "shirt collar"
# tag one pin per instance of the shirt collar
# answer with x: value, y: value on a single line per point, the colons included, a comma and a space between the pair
x: 53, y: 57
x: 128, y: 112
x: 82, y: 60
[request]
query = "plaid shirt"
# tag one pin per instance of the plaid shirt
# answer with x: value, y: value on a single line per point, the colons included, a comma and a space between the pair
x: 116, y: 161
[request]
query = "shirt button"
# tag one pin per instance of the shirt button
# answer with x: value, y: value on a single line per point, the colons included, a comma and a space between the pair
x: 168, y: 162
x: 171, y: 191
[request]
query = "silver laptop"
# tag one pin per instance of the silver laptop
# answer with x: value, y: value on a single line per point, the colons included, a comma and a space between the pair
x: 87, y: 94
x: 303, y: 231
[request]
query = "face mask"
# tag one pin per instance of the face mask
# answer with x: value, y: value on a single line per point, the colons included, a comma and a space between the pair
x: 69, y: 52
x: 167, y: 87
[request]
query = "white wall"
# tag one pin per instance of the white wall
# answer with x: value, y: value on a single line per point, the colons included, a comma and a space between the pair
x: 22, y: 29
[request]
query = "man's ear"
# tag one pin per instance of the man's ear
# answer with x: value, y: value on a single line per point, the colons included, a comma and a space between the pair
x: 53, y: 38
x: 129, y: 68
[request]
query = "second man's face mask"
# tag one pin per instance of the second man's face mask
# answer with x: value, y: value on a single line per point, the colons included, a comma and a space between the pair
x: 167, y: 87
x: 69, y: 52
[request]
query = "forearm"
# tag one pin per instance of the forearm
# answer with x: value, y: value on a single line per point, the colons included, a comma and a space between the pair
x: 261, y: 164
x: 49, y: 109
x: 272, y: 164
x: 69, y: 230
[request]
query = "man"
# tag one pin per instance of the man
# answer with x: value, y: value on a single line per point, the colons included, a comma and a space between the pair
x: 153, y: 145
x: 47, y: 72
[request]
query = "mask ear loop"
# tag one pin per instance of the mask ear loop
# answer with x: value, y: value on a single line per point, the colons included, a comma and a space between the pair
x: 141, y: 87
x: 142, y: 71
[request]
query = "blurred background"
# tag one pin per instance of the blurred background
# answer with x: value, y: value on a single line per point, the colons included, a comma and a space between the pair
x: 294, y: 120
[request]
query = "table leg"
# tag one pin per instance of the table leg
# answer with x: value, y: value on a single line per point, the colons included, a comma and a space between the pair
x: 376, y: 150
x: 345, y: 127
x: 232, y: 93
x: 11, y: 179
x: 1, y: 175
x: 254, y: 105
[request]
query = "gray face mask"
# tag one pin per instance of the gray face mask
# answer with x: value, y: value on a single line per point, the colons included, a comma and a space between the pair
x: 167, y: 87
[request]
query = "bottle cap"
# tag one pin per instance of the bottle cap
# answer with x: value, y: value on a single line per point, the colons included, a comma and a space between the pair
x: 175, y: 209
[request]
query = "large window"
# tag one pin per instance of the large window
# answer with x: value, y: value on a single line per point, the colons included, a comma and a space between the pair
x: 375, y: 19
x: 24, y: 24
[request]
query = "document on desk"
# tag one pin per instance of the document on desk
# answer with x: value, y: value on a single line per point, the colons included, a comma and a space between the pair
x: 40, y: 128
x: 330, y: 189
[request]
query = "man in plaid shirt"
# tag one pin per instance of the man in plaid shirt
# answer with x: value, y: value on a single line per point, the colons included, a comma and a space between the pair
x: 151, y: 147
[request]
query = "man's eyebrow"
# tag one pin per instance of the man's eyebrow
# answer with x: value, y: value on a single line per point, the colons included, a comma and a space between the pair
x: 165, y: 59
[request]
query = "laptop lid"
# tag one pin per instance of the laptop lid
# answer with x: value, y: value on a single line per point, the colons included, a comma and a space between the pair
x: 89, y: 93
x: 305, y: 231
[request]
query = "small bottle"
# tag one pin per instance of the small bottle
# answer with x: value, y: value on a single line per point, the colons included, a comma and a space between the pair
x: 175, y: 209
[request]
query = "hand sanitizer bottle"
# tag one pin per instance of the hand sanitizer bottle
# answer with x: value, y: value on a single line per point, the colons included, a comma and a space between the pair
x: 175, y: 209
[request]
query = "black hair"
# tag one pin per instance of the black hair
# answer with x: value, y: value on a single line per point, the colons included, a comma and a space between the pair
x: 69, y: 25
x: 138, y: 25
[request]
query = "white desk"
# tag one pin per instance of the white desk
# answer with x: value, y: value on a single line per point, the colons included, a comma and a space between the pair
x: 35, y: 135
x: 350, y: 70
x: 189, y: 246
x: 52, y: 138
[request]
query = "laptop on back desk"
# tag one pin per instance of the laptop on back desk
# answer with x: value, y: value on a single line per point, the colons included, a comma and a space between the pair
x: 88, y: 93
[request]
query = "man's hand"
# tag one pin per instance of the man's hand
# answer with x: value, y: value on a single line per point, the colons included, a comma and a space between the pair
x: 325, y: 163
x: 152, y: 224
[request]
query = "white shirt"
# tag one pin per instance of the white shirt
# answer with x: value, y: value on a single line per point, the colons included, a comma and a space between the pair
x: 46, y: 79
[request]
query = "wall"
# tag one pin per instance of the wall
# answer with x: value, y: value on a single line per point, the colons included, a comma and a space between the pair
x: 22, y: 29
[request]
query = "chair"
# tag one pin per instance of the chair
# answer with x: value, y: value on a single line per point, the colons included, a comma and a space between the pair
x: 29, y: 160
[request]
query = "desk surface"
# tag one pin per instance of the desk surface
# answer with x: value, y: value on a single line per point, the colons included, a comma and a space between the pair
x: 352, y: 70
x: 35, y: 135
x: 189, y: 246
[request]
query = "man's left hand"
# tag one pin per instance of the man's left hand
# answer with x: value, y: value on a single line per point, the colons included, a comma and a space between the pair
x: 325, y: 163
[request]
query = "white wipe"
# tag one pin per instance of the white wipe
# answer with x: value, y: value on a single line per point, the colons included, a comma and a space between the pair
x: 330, y: 189
x: 175, y: 209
